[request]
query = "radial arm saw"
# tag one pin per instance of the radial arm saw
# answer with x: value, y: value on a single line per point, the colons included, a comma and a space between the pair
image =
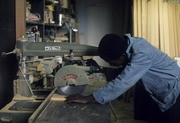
x: 48, y: 68
x: 64, y: 63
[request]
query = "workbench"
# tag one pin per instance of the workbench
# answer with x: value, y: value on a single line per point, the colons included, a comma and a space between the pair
x: 57, y: 111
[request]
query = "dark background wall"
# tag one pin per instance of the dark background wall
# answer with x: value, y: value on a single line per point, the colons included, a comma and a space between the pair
x: 99, y: 17
x: 96, y: 18
x: 8, y: 65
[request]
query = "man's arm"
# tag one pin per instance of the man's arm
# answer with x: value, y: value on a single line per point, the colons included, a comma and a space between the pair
x: 138, y: 66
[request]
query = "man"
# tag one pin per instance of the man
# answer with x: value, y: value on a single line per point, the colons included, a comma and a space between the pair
x: 159, y: 73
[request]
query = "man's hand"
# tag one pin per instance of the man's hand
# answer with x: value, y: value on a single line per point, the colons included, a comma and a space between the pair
x: 80, y: 99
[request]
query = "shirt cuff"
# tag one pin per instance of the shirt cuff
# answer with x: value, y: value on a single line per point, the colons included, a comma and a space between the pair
x: 98, y: 98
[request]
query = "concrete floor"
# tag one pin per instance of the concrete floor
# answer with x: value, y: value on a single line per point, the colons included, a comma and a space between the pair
x: 124, y: 112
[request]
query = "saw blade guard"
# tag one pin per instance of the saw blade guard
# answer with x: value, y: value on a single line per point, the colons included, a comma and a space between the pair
x: 72, y: 79
x: 71, y: 75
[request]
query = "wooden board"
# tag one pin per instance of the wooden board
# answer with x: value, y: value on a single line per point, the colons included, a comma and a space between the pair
x: 60, y: 112
x: 58, y: 97
x: 20, y: 18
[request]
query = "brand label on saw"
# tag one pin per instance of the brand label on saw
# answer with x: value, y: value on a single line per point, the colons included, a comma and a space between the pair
x: 69, y: 76
x: 52, y: 48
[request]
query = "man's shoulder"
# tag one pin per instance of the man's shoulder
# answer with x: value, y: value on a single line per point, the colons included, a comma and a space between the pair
x: 141, y: 45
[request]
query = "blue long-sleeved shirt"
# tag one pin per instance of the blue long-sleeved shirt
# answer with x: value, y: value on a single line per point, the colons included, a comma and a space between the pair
x: 159, y: 73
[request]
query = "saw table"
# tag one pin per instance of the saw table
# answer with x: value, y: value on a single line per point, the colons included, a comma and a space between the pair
x: 57, y: 111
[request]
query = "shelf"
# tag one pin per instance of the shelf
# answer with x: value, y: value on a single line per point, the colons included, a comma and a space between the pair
x: 41, y: 23
x: 34, y: 22
x: 54, y: 25
x: 49, y: 18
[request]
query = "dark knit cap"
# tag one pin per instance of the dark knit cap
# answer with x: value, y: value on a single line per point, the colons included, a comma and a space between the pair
x: 112, y: 46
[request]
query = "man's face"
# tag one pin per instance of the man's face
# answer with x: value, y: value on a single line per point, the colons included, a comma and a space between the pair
x: 119, y: 62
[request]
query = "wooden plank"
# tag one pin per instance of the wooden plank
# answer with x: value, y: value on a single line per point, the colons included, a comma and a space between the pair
x: 58, y: 97
x: 46, y: 102
x: 20, y: 18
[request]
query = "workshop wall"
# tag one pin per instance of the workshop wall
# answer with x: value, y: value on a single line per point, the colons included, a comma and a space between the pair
x: 158, y: 22
x: 99, y: 17
x: 7, y: 44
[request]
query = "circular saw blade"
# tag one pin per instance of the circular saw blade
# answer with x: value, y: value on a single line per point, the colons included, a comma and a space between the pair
x: 71, y: 89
